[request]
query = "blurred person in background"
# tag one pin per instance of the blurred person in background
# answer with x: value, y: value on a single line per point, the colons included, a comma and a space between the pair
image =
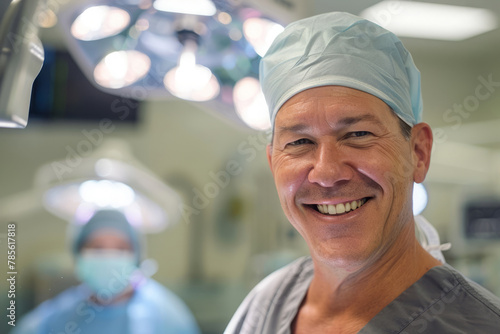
x: 114, y: 297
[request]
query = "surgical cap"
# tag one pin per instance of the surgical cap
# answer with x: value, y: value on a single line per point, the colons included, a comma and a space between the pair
x: 343, y: 50
x: 107, y: 219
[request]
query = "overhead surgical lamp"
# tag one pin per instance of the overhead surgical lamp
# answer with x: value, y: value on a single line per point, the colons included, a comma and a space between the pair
x: 196, y: 50
x: 250, y: 104
x: 99, y: 22
x: 261, y: 33
x: 120, y: 69
x: 188, y: 80
x: 109, y: 178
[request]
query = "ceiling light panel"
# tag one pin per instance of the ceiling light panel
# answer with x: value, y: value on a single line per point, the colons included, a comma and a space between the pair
x: 193, y: 7
x: 431, y: 20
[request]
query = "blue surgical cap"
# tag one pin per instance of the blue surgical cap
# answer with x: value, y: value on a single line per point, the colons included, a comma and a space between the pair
x: 343, y: 50
x: 108, y: 219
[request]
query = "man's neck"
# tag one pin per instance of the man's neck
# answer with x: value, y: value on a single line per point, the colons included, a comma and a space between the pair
x: 352, y: 299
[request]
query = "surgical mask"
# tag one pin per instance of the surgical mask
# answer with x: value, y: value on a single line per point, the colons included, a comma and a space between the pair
x: 106, y: 272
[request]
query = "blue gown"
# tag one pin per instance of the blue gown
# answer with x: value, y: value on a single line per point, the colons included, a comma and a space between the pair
x: 151, y: 310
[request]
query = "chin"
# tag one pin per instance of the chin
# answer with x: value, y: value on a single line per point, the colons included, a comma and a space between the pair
x: 348, y: 260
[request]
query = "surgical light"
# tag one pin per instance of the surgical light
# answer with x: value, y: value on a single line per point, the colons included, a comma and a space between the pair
x: 250, y: 104
x: 419, y: 198
x: 104, y: 168
x: 193, y: 7
x: 98, y: 22
x: 191, y: 81
x: 430, y: 20
x: 260, y: 33
x: 121, y: 68
x: 110, y: 177
x: 106, y: 193
x: 159, y: 30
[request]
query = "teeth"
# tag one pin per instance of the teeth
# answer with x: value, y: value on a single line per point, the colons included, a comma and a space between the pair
x: 341, y: 207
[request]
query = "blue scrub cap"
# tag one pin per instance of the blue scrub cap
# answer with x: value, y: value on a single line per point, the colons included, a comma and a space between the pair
x: 344, y: 50
x: 108, y: 219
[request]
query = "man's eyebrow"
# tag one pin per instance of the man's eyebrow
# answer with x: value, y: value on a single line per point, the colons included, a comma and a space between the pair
x: 293, y: 128
x: 346, y: 121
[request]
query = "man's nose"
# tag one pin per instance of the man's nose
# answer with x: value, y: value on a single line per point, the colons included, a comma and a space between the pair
x: 330, y: 165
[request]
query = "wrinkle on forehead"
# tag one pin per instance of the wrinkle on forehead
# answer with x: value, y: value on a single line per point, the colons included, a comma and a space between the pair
x: 335, y: 104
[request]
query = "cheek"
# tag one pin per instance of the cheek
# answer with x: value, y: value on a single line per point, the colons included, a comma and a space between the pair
x: 289, y: 174
x: 387, y: 165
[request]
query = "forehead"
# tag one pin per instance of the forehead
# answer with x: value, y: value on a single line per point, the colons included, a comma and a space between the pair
x: 108, y: 238
x: 332, y: 104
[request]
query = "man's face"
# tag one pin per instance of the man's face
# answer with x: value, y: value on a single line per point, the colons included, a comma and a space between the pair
x: 108, y: 239
x: 344, y: 173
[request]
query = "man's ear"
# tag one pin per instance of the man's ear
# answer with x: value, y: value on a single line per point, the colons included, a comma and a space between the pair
x: 269, y: 150
x: 421, y: 144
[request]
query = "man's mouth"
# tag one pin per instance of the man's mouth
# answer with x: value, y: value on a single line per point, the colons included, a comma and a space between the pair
x: 340, y: 208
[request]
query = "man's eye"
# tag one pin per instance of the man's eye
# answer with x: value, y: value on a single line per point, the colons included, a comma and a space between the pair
x: 300, y: 141
x: 359, y: 134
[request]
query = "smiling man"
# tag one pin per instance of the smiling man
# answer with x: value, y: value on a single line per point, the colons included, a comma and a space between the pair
x: 348, y: 144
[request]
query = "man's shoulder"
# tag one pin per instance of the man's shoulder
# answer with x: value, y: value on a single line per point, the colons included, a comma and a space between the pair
x: 461, y: 305
x: 442, y: 301
x: 293, y: 273
x: 476, y: 293
x: 274, y: 299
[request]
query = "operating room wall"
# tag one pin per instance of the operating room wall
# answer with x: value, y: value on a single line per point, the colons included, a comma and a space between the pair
x: 184, y: 146
x: 465, y: 164
x: 215, y: 256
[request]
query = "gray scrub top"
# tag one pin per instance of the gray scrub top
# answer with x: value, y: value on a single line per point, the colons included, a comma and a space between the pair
x: 442, y: 301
